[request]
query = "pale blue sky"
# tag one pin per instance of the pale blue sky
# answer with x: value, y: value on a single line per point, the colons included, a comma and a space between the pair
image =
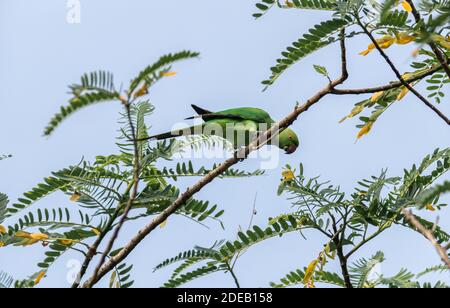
x: 41, y: 54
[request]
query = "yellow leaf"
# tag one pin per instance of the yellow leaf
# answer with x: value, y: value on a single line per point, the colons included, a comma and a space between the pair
x: 163, y: 224
x: 376, y: 96
x: 142, y: 91
x: 75, y: 197
x: 407, y: 76
x: 384, y: 42
x: 310, y: 271
x: 170, y: 74
x: 66, y: 242
x: 38, y: 236
x: 416, y: 53
x: 442, y: 41
x: 430, y: 207
x: 365, y: 130
x: 289, y: 3
x: 404, y: 38
x: 2, y: 229
x: 2, y: 244
x: 288, y: 175
x: 329, y: 253
x: 355, y: 111
x: 22, y: 234
x: 407, y: 6
x: 39, y: 277
x: 403, y: 93
x: 365, y: 52
x: 96, y: 231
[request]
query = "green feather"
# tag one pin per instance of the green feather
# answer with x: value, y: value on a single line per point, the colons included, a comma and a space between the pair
x: 245, y: 123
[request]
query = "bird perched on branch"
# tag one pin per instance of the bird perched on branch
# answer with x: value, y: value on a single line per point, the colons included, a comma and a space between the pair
x: 240, y: 126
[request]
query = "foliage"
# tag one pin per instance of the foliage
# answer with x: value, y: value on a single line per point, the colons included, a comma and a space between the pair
x: 347, y: 223
x: 102, y: 195
x: 385, y: 20
x: 318, y: 37
x: 99, y: 190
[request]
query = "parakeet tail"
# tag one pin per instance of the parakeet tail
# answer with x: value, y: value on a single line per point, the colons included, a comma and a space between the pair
x: 178, y: 133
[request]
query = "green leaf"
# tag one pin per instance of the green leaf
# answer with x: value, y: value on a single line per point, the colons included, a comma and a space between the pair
x: 362, y: 268
x: 3, y: 207
x: 322, y: 5
x: 77, y: 103
x: 318, y: 37
x: 154, y: 72
x: 322, y: 70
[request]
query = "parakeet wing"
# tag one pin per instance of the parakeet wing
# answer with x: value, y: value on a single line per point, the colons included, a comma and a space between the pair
x: 241, y: 114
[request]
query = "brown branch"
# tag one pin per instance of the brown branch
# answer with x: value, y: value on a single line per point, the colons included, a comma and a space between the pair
x: 92, y: 251
x: 238, y: 157
x: 343, y: 260
x: 400, y: 77
x: 429, y: 235
x: 392, y: 85
x: 442, y: 58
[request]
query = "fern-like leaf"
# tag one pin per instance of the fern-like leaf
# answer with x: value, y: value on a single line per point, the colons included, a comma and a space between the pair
x: 362, y: 268
x: 297, y: 277
x: 195, y: 274
x: 156, y: 71
x: 77, y: 103
x: 318, y: 37
x: 3, y: 207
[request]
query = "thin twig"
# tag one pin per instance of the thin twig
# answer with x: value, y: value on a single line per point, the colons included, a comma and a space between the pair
x: 392, y: 85
x: 250, y: 224
x: 239, y: 156
x: 132, y: 198
x: 92, y: 251
x: 399, y: 75
x: 429, y: 235
x: 236, y: 281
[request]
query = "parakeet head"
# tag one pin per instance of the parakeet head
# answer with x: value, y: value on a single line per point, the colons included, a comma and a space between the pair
x: 288, y: 141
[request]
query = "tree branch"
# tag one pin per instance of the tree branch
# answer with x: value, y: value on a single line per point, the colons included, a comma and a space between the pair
x: 392, y: 85
x: 239, y: 156
x: 442, y: 58
x: 339, y: 243
x: 429, y: 235
x: 400, y: 77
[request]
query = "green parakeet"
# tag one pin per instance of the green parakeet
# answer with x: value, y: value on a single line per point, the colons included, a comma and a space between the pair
x: 238, y: 125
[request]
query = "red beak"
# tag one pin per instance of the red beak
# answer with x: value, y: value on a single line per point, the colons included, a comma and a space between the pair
x: 291, y: 149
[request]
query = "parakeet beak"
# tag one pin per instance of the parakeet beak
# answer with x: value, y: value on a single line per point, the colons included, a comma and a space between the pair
x: 291, y: 149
